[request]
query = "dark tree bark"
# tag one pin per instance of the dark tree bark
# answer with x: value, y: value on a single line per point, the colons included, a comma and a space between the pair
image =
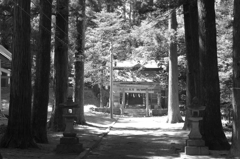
x: 211, y: 127
x: 174, y: 115
x: 235, y: 148
x: 192, y: 54
x: 41, y: 88
x: 60, y: 64
x: 79, y: 63
x: 19, y: 130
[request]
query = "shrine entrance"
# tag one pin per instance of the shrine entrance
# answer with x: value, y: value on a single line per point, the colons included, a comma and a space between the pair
x: 133, y: 100
x: 137, y: 97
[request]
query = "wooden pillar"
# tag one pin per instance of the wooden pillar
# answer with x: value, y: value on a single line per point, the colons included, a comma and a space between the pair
x: 166, y: 97
x: 123, y: 101
x: 159, y: 100
x: 147, y: 104
x: 0, y: 86
x: 144, y: 99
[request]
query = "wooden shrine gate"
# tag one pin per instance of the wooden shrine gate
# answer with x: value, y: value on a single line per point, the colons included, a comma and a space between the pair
x: 147, y: 97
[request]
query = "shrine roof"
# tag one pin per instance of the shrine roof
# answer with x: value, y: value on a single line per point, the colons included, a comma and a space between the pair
x: 137, y: 87
x: 6, y: 57
x: 133, y: 65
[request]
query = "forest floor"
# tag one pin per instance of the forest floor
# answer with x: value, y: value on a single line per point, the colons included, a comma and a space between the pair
x: 98, y: 127
x: 103, y: 134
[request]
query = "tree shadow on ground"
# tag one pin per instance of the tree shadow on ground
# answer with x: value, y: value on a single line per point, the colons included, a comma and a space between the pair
x: 132, y: 142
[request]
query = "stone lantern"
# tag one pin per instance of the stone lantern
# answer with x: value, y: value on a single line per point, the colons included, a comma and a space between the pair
x: 69, y: 143
x: 195, y: 145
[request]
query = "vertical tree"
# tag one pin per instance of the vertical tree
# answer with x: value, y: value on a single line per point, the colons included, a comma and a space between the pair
x: 41, y: 87
x: 109, y: 5
x: 174, y: 115
x: 79, y: 62
x: 60, y: 64
x: 211, y: 127
x: 19, y: 130
x: 101, y: 86
x: 192, y: 53
x: 235, y: 148
x: 124, y: 10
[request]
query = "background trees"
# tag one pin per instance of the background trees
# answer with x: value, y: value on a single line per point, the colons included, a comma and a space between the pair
x: 235, y: 148
x: 41, y: 87
x: 6, y: 23
x: 210, y: 92
x: 173, y: 100
x: 138, y: 31
x: 60, y: 64
x: 79, y: 60
x: 192, y: 54
x: 19, y: 131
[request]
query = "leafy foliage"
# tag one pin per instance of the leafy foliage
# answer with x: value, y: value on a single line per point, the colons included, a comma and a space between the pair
x: 145, y: 40
x: 224, y: 18
x: 107, y: 28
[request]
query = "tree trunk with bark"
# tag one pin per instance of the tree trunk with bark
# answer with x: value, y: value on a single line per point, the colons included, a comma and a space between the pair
x: 19, y: 130
x: 211, y: 127
x: 41, y: 88
x: 192, y: 54
x: 124, y: 10
x: 60, y: 65
x: 101, y: 89
x: 174, y: 115
x: 235, y: 148
x: 109, y: 6
x: 79, y: 63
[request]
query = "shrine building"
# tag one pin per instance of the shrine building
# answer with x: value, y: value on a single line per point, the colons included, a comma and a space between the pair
x: 139, y: 95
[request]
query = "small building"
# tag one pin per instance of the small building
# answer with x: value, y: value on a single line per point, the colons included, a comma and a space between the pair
x: 5, y: 67
x: 137, y: 94
x: 6, y: 58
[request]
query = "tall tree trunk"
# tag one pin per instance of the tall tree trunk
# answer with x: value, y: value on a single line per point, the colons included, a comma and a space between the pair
x: 41, y: 88
x: 79, y: 64
x: 60, y: 64
x: 124, y: 10
x: 191, y: 39
x: 174, y: 115
x: 19, y: 130
x: 109, y: 5
x: 235, y: 148
x: 211, y: 127
x: 101, y: 89
x: 134, y: 11
x: 130, y: 13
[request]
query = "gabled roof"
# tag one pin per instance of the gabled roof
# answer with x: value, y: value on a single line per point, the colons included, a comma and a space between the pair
x: 5, y: 53
x: 6, y: 58
x: 131, y: 66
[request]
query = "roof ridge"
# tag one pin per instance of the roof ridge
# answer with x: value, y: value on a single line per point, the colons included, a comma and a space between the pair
x: 5, y: 53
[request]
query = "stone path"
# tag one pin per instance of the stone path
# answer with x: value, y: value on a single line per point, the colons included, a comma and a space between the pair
x: 128, y: 138
x: 132, y: 138
x: 146, y: 138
